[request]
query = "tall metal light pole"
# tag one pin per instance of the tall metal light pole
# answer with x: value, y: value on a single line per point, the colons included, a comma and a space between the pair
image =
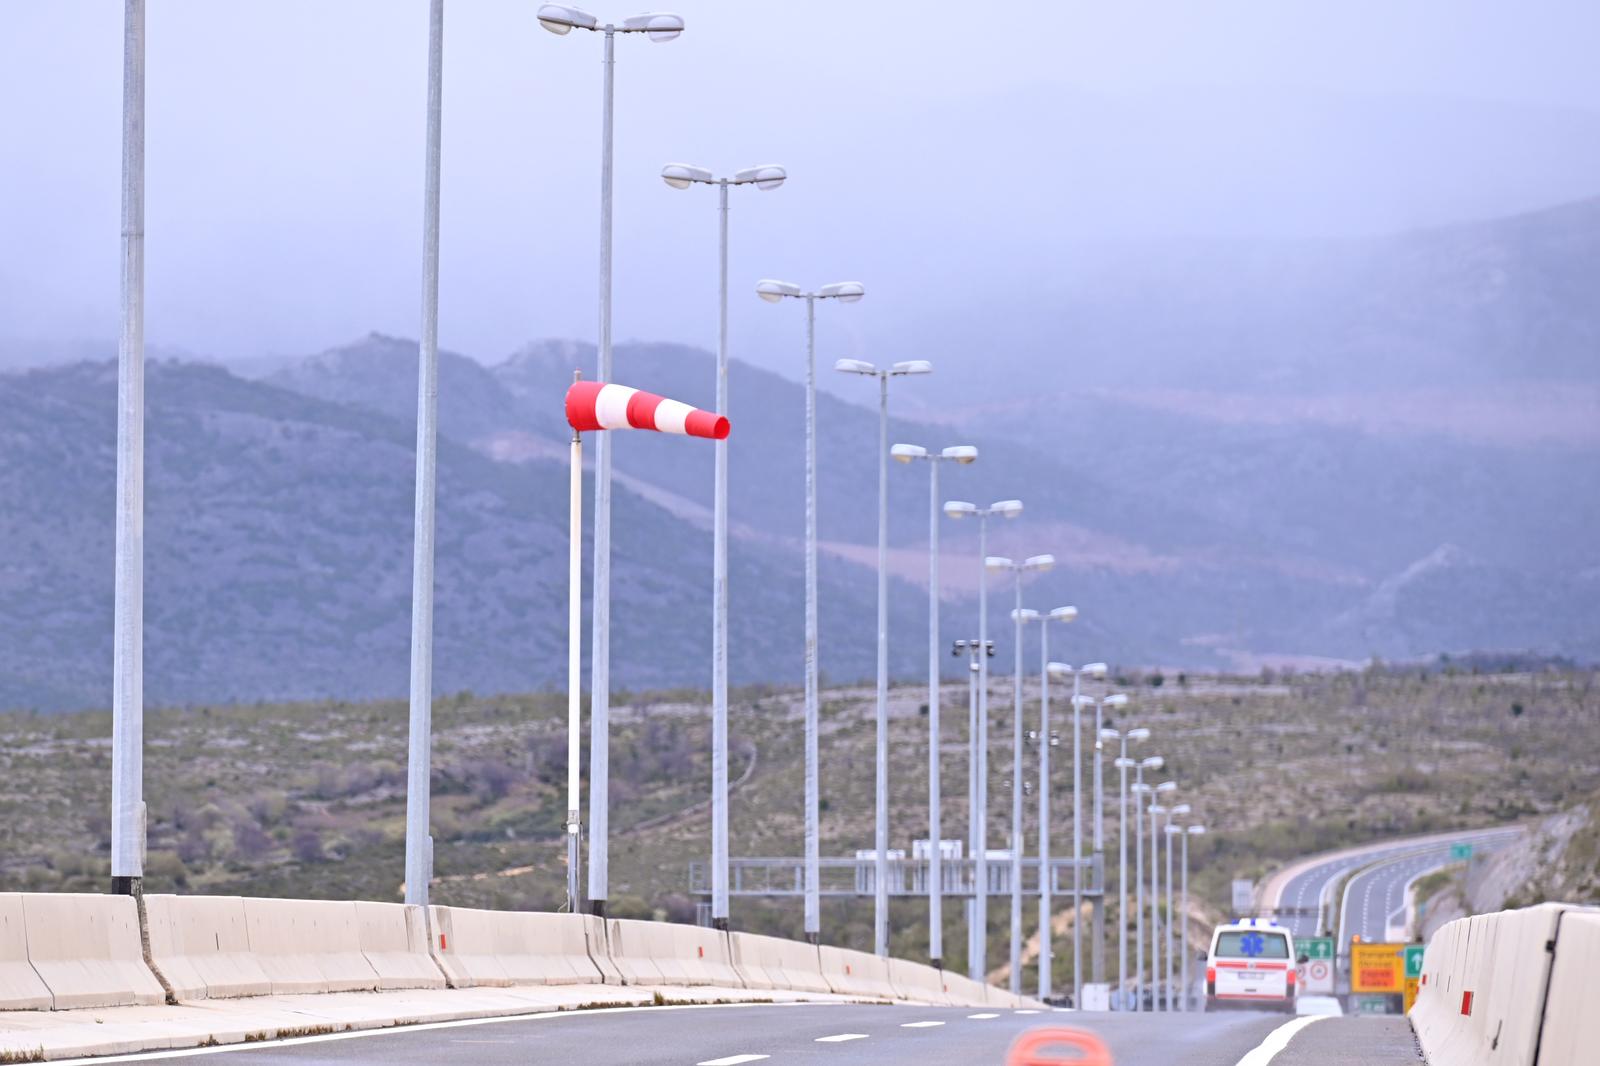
x: 561, y: 19
x: 980, y: 930
x: 1140, y: 790
x: 1098, y: 903
x: 1079, y: 700
x: 880, y: 916
x: 127, y: 667
x: 963, y: 454
x: 765, y: 177
x: 847, y: 292
x: 1047, y: 740
x: 1123, y: 765
x: 1169, y: 832
x: 1156, y: 810
x: 977, y: 769
x: 1000, y: 564
x: 1191, y: 831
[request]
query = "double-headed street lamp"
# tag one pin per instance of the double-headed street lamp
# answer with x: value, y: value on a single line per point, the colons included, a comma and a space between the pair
x: 1116, y: 701
x: 977, y: 769
x: 999, y: 564
x: 846, y: 292
x: 1189, y: 831
x: 880, y: 917
x: 1123, y: 765
x: 1141, y: 790
x: 766, y: 178
x: 1047, y: 740
x: 978, y: 929
x: 562, y: 19
x: 962, y: 454
x: 1079, y: 700
x: 1175, y: 810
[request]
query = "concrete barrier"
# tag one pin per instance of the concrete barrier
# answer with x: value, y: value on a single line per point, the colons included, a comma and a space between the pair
x: 966, y: 992
x: 489, y: 948
x: 1571, y: 1029
x: 308, y: 945
x: 201, y: 945
x: 20, y: 985
x: 855, y: 973
x: 594, y: 937
x: 914, y: 980
x: 394, y: 940
x: 1489, y: 987
x: 670, y: 953
x: 86, y: 950
x: 769, y: 962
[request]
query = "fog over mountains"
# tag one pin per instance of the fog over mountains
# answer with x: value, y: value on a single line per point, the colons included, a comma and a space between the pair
x: 1440, y: 496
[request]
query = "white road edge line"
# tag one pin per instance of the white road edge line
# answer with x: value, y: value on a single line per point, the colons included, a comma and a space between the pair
x: 983, y: 1017
x: 1024, y: 1012
x: 919, y: 1025
x: 1264, y: 1052
x: 839, y: 1038
x: 385, y: 1030
x: 732, y: 1060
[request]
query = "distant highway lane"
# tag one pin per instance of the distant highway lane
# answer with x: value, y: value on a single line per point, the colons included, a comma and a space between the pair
x: 810, y: 1034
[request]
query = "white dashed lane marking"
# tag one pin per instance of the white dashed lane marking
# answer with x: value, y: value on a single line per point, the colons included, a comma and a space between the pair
x: 732, y: 1060
x: 839, y: 1038
x: 983, y: 1017
x: 1024, y: 1012
x: 919, y: 1025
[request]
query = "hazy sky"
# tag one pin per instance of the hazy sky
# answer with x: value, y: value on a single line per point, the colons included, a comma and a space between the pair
x: 935, y: 155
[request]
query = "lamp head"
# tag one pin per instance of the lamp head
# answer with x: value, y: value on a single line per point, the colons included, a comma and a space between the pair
x: 562, y: 19
x: 1124, y: 763
x: 1064, y: 614
x: 1027, y: 614
x: 1182, y: 808
x: 774, y: 291
x: 1140, y: 733
x: 766, y: 177
x: 1058, y: 670
x: 846, y: 292
x: 964, y: 454
x: 854, y: 366
x: 1116, y: 699
x: 1039, y: 562
x: 1154, y: 762
x: 1110, y: 734
x: 997, y: 563
x: 911, y: 366
x: 682, y: 175
x: 959, y: 509
x: 1196, y: 830
x: 1167, y: 786
x: 1095, y: 670
x: 905, y: 453
x: 1006, y: 508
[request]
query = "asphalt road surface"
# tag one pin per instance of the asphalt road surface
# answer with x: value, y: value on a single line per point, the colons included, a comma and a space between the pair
x: 1305, y: 890
x: 826, y: 1035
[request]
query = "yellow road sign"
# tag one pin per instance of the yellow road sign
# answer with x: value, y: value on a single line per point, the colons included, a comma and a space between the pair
x: 1412, y: 984
x: 1377, y: 968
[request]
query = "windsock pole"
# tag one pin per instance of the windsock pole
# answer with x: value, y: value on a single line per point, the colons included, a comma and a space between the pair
x: 574, y: 661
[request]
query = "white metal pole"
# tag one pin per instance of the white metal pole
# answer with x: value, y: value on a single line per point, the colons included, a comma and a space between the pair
x: 1098, y: 904
x: 600, y: 622
x: 974, y: 919
x: 1045, y: 937
x: 935, y: 859
x: 981, y: 854
x: 1183, y: 911
x: 419, y: 756
x: 1122, y: 876
x: 813, y: 905
x: 1077, y: 843
x: 719, y: 624
x: 1155, y: 911
x: 127, y: 696
x: 880, y: 914
x: 1138, y: 885
x: 574, y: 662
x: 1171, y: 916
x: 1017, y: 836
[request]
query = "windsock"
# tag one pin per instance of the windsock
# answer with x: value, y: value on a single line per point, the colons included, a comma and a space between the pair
x: 595, y: 405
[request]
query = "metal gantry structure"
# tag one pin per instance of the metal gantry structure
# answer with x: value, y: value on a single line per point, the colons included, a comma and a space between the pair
x: 883, y: 875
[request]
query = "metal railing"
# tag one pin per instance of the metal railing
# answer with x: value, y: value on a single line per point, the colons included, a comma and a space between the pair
x: 907, y: 877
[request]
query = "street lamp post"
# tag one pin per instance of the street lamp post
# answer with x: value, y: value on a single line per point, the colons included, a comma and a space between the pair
x: 1079, y: 700
x: 880, y: 916
x: 1191, y: 831
x: 1171, y: 830
x: 562, y: 19
x: 766, y: 177
x: 1000, y: 564
x: 1097, y: 905
x: 976, y: 651
x: 1156, y: 810
x: 959, y: 509
x: 1047, y: 740
x: 1123, y: 765
x: 845, y: 292
x: 963, y: 454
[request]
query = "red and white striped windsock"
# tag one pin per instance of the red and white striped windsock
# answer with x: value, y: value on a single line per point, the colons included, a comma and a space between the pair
x: 595, y: 405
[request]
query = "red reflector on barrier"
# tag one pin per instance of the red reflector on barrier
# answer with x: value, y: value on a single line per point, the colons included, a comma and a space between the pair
x: 441, y: 942
x: 1466, y: 1003
x: 702, y: 952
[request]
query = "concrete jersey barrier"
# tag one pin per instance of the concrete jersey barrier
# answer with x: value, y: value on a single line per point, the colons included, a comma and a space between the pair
x: 770, y: 962
x: 1488, y: 987
x: 1571, y: 1028
x: 21, y: 988
x: 201, y: 945
x: 478, y: 948
x: 86, y: 950
x: 915, y: 980
x: 670, y: 953
x: 855, y: 973
x: 394, y: 941
x: 308, y: 945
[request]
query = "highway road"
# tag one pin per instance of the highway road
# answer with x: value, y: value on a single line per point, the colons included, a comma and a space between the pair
x: 1380, y: 890
x: 825, y: 1035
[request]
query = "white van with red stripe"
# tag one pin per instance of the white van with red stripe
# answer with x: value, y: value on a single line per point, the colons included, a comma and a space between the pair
x: 1251, y: 965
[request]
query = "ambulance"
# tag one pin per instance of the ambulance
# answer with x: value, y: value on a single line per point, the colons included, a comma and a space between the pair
x: 1251, y: 965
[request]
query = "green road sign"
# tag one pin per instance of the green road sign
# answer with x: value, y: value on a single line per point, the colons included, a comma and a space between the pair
x: 1370, y: 1004
x: 1414, y: 960
x: 1459, y: 852
x: 1315, y: 947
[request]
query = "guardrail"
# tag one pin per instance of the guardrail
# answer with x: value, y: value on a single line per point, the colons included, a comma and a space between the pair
x: 66, y: 951
x: 1515, y: 988
x: 907, y: 877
